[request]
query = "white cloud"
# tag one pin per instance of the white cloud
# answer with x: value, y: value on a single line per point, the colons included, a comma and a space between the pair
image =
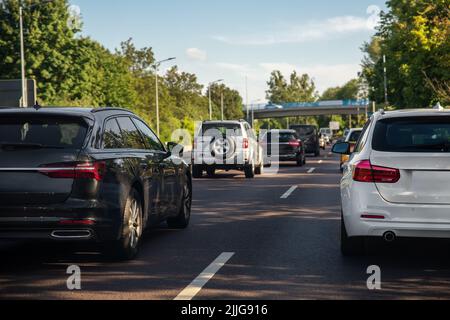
x: 196, y: 54
x: 313, y: 30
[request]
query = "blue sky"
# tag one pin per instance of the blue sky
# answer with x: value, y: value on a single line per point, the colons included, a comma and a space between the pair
x: 235, y: 39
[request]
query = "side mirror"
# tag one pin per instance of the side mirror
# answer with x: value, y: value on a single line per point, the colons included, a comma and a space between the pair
x: 342, y: 148
x: 175, y: 148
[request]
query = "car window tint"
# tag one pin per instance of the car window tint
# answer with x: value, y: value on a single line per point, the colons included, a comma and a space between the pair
x: 414, y: 134
x: 112, y: 137
x: 149, y: 136
x: 132, y: 139
x: 64, y: 133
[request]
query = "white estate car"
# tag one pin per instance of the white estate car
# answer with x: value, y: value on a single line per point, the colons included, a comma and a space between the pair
x: 226, y: 145
x: 397, y: 182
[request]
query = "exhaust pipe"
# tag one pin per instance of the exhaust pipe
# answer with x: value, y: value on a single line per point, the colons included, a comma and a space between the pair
x: 389, y: 237
x: 71, y: 234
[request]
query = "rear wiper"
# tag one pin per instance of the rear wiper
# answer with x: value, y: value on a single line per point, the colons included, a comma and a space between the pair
x: 6, y: 145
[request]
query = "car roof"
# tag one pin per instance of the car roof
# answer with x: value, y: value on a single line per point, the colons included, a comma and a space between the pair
x: 223, y: 122
x: 414, y: 113
x: 283, y: 130
x: 69, y: 111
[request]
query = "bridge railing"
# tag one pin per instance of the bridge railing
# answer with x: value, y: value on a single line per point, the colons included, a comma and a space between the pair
x: 292, y: 105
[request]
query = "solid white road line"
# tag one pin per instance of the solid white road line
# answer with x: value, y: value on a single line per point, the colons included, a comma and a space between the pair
x: 289, y: 192
x: 311, y: 170
x: 196, y: 286
x: 320, y: 161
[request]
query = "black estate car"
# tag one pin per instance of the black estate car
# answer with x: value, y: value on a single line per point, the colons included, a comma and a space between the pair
x: 310, y: 136
x: 97, y: 175
x: 284, y: 145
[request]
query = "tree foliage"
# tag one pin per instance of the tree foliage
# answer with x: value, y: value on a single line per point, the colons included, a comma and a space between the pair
x: 414, y: 37
x: 78, y: 71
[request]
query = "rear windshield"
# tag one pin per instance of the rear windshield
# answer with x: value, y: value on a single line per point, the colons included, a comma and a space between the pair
x: 283, y: 137
x: 305, y: 130
x: 42, y: 132
x: 414, y: 134
x: 229, y: 129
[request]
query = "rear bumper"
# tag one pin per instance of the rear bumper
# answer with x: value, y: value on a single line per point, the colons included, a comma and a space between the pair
x: 284, y: 157
x: 405, y: 220
x: 92, y: 221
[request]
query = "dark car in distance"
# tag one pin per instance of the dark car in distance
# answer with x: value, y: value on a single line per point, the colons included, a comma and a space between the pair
x: 99, y: 175
x: 310, y: 136
x: 283, y: 145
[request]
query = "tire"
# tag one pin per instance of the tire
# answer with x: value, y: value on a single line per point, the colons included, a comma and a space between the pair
x: 197, y: 171
x: 184, y: 216
x: 317, y: 154
x: 211, y: 172
x: 351, y: 247
x: 249, y: 171
x: 260, y: 169
x: 127, y: 247
x: 300, y: 161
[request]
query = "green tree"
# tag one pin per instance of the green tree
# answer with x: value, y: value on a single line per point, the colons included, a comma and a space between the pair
x: 232, y: 101
x: 414, y: 37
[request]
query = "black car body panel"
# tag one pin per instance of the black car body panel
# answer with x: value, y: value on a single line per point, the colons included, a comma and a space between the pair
x: 310, y: 136
x: 283, y: 145
x: 54, y: 188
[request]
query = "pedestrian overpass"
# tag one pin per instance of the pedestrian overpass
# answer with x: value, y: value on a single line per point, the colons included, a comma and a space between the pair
x: 303, y: 109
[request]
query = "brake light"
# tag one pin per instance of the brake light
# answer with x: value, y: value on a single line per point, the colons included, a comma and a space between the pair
x: 366, y: 172
x: 86, y: 222
x: 245, y: 144
x: 78, y: 170
x: 295, y: 143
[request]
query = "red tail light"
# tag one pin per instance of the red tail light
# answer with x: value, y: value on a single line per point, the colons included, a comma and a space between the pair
x: 78, y: 170
x: 295, y: 143
x: 245, y: 144
x: 85, y: 222
x: 366, y: 172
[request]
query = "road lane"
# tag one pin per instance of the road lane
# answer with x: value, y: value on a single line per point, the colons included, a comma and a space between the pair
x: 283, y: 249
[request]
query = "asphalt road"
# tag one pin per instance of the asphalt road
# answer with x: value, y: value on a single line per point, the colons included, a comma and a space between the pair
x: 282, y: 233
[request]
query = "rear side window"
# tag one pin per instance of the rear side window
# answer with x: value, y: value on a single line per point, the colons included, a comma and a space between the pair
x: 413, y: 134
x: 131, y: 136
x: 150, y: 138
x: 51, y: 132
x: 112, y: 138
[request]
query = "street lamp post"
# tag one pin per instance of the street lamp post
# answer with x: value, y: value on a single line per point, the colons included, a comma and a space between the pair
x: 221, y: 105
x: 156, y: 67
x: 24, y: 102
x: 253, y: 111
x: 210, y: 99
x: 386, y: 98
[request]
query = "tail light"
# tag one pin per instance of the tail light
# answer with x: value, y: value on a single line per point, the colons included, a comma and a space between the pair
x: 366, y: 172
x: 245, y: 144
x: 77, y: 170
x: 295, y: 143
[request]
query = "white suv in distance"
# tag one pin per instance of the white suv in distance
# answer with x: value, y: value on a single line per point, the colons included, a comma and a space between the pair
x: 397, y: 182
x: 226, y: 145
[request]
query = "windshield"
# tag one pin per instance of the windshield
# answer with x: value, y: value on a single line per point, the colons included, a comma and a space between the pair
x: 424, y: 134
x: 42, y: 132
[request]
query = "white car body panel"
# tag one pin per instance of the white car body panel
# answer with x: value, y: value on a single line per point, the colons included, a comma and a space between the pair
x: 418, y: 206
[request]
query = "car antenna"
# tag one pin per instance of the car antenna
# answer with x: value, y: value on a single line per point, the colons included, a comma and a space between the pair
x: 37, y: 106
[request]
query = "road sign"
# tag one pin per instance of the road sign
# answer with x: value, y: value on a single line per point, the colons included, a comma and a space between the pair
x: 335, y: 126
x: 11, y: 92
